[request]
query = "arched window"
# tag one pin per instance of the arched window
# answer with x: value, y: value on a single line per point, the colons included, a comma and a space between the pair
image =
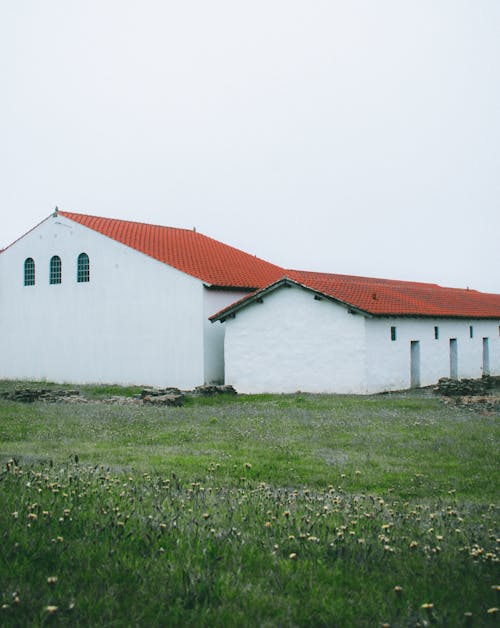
x: 83, y: 268
x: 55, y: 269
x: 29, y: 271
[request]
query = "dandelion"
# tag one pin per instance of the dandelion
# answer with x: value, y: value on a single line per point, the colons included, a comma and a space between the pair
x: 268, y: 524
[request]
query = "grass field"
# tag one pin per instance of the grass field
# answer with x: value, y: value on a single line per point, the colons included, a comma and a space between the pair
x: 293, y: 510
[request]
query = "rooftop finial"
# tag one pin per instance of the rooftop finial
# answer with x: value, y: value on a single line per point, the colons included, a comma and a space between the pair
x: 56, y: 209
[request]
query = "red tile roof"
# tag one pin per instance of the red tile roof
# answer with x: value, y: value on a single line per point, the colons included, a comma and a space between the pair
x: 385, y: 297
x: 220, y: 265
x: 191, y: 252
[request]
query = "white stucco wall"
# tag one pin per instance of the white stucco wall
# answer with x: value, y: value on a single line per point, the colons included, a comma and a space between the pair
x: 388, y: 362
x: 214, y: 301
x: 293, y: 342
x: 136, y: 321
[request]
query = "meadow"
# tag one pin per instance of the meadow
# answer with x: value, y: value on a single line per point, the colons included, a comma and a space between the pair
x: 286, y: 510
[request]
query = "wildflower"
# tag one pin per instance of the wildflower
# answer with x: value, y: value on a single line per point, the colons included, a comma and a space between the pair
x: 205, y: 515
x: 428, y: 606
x: 268, y: 524
x: 492, y: 611
x: 397, y: 589
x: 413, y: 544
x: 293, y: 556
x: 52, y: 580
x: 248, y: 465
x: 51, y: 609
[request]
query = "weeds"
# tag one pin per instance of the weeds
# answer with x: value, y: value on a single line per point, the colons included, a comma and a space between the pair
x: 318, y: 511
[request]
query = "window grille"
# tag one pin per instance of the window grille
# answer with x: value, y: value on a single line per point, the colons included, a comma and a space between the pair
x: 55, y: 269
x: 83, y: 268
x: 29, y: 272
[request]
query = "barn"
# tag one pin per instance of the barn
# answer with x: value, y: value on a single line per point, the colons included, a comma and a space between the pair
x: 87, y: 299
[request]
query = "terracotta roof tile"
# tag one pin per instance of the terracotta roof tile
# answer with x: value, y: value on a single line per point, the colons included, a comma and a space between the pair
x: 404, y: 298
x: 189, y: 251
x: 221, y: 265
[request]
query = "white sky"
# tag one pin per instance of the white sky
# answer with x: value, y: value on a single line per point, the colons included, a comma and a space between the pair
x: 353, y: 136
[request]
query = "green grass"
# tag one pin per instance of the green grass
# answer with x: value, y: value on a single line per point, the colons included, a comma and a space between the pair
x: 291, y: 510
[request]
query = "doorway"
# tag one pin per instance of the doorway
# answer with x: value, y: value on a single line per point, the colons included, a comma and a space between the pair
x: 415, y: 363
x: 486, y: 356
x: 453, y: 358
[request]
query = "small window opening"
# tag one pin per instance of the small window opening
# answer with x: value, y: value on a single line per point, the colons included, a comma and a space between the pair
x: 55, y: 269
x: 29, y: 272
x: 471, y: 331
x: 436, y: 332
x: 393, y: 333
x: 83, y: 268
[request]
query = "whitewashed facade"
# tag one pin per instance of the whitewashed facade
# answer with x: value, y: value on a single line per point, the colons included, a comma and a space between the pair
x: 142, y: 319
x: 137, y: 321
x: 293, y: 339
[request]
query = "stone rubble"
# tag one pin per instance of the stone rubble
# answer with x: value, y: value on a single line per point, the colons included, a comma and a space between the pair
x: 475, y: 394
x: 148, y: 396
x: 29, y: 395
x: 460, y: 387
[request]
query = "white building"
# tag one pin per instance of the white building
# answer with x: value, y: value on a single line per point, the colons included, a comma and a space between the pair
x: 342, y: 334
x: 85, y: 299
x: 94, y: 300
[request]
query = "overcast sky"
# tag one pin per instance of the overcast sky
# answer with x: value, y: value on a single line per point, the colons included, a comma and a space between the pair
x: 353, y: 136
